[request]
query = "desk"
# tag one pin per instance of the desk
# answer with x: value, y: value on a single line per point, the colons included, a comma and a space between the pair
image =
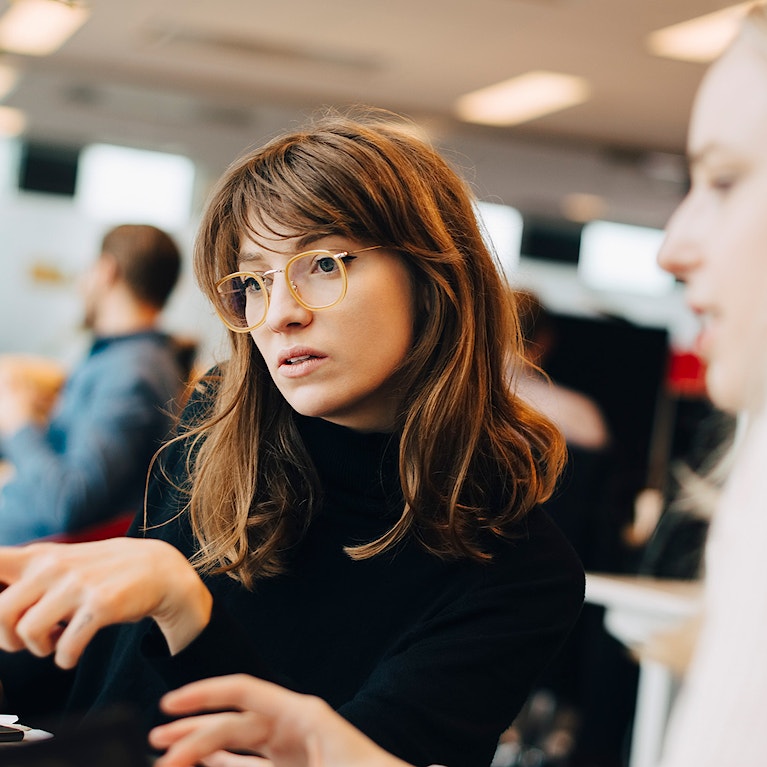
x: 636, y: 608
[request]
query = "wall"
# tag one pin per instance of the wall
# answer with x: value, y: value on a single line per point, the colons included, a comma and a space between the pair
x: 46, y: 241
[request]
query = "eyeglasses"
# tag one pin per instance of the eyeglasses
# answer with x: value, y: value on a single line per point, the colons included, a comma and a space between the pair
x: 317, y: 279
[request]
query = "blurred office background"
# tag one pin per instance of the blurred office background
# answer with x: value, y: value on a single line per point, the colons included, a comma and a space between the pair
x: 568, y: 117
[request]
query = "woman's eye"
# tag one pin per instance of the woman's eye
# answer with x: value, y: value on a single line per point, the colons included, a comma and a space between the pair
x: 251, y: 285
x: 723, y: 182
x: 326, y: 264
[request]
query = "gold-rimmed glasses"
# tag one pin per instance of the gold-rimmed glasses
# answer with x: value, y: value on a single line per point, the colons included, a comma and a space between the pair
x: 317, y: 279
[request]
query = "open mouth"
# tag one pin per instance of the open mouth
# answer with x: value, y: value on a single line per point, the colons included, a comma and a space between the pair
x: 298, y: 360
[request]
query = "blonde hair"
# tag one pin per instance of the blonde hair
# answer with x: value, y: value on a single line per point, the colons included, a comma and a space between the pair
x: 473, y: 458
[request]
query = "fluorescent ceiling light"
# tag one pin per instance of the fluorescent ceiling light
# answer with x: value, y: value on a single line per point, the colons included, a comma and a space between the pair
x: 701, y: 39
x: 39, y: 27
x: 522, y: 98
x: 8, y: 78
x: 12, y: 121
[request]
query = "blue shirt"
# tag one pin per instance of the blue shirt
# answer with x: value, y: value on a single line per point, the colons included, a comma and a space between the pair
x: 90, y: 462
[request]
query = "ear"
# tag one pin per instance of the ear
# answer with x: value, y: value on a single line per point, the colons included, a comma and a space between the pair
x: 107, y: 269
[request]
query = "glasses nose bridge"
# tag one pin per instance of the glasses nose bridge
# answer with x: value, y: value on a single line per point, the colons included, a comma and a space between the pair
x: 268, y: 280
x: 278, y: 308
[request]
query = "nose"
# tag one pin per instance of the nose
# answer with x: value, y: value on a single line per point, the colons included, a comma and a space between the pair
x: 284, y: 312
x: 681, y: 250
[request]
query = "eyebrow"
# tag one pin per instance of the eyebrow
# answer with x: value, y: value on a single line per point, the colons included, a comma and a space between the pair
x: 304, y: 243
x: 250, y: 258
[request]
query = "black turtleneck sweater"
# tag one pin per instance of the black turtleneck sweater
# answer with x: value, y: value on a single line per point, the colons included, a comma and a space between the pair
x: 431, y: 659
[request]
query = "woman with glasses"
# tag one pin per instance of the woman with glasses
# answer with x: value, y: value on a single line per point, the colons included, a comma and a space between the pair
x: 717, y: 244
x: 351, y: 506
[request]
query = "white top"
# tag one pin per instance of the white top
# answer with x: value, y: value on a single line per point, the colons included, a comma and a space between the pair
x: 720, y: 716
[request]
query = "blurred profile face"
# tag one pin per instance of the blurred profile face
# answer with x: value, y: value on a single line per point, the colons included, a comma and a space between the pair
x: 717, y: 240
x: 94, y: 285
x: 88, y: 287
x: 337, y: 363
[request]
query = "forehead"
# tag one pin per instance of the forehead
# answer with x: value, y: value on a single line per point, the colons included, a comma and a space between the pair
x: 260, y: 240
x: 731, y: 106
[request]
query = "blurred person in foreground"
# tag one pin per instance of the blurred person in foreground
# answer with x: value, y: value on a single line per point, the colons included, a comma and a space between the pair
x: 717, y: 244
x: 80, y: 458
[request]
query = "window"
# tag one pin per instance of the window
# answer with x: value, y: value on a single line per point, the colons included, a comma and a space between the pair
x: 622, y: 258
x: 119, y: 184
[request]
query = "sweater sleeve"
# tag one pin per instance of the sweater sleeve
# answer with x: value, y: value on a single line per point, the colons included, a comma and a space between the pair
x: 203, y: 657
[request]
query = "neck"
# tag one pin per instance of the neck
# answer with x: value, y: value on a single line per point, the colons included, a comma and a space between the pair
x: 120, y: 314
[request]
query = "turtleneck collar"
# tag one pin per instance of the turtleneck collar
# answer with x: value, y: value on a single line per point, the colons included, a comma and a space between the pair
x: 360, y: 463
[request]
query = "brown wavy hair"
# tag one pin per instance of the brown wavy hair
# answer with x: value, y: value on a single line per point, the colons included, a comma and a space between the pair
x: 473, y: 458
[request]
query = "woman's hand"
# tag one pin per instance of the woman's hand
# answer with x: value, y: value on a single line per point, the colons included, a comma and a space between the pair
x: 287, y: 729
x: 57, y: 596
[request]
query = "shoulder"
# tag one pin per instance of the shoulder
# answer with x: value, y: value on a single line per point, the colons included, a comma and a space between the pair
x: 173, y: 461
x: 129, y: 362
x: 202, y: 398
x: 539, y: 558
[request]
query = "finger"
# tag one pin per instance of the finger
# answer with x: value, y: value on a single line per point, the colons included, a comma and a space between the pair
x: 59, y: 623
x: 210, y: 734
x: 221, y: 759
x: 164, y: 735
x: 76, y: 637
x: 227, y: 759
x: 15, y: 601
x: 234, y: 691
x: 42, y: 625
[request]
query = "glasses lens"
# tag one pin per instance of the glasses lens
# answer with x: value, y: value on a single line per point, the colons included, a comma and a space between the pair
x: 319, y: 278
x: 242, y: 301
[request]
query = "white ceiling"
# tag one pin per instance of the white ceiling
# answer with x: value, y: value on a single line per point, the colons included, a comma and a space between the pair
x: 209, y: 78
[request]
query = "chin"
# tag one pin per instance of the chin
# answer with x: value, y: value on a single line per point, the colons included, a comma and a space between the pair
x: 310, y: 408
x: 724, y: 391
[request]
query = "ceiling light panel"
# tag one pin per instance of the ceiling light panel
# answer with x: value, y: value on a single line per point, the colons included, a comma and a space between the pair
x: 39, y: 27
x: 522, y: 98
x: 701, y: 39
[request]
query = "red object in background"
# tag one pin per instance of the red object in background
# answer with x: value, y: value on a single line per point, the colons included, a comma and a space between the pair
x: 686, y: 374
x: 112, y: 528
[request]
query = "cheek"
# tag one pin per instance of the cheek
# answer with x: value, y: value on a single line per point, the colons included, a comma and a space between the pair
x: 736, y: 374
x: 259, y: 340
x: 741, y: 230
x: 393, y: 325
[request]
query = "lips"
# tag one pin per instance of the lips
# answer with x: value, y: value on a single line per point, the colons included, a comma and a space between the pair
x: 296, y: 356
